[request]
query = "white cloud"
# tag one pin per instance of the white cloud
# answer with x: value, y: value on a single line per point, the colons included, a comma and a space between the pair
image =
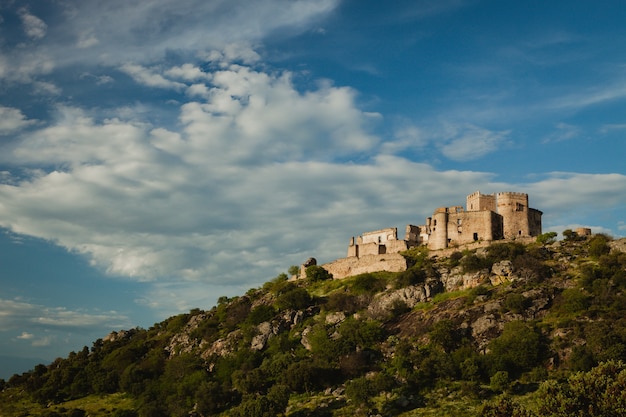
x: 45, y: 88
x: 563, y: 132
x: 34, y: 27
x: 407, y: 136
x: 43, y: 342
x: 590, y: 96
x: 87, y: 39
x: 16, y: 314
x: 12, y: 120
x: 150, y: 78
x: 467, y: 142
x: 188, y: 72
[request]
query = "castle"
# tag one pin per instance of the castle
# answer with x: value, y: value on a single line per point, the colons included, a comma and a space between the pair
x: 487, y: 217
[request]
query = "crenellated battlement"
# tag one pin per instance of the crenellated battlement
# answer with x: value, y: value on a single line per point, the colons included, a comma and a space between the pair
x: 512, y: 194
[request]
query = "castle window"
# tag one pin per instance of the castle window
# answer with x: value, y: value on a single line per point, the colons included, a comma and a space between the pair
x: 475, y: 236
x: 458, y: 221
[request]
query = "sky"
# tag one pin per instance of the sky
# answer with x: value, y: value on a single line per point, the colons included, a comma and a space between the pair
x: 157, y: 155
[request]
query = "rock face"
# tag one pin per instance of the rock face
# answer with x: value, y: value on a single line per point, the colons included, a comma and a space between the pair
x: 407, y: 297
x: 619, y: 245
x: 288, y: 320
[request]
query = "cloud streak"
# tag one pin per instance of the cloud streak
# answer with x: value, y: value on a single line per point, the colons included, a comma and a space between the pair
x: 17, y: 314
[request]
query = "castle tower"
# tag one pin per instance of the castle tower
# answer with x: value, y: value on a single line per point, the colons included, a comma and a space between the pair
x: 513, y: 207
x: 478, y: 202
x: 439, y: 229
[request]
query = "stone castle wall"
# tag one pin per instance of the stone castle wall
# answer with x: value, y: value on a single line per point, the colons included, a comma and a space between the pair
x: 486, y: 218
x: 347, y: 267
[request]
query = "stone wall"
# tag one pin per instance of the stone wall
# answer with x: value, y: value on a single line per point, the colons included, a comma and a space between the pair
x: 347, y: 267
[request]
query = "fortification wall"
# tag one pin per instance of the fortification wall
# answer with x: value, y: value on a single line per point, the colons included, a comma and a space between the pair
x: 347, y: 267
x: 473, y: 226
x: 477, y: 202
x: 534, y: 222
x: 380, y: 236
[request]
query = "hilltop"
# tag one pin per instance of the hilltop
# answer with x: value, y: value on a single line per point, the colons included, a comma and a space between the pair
x: 489, y: 331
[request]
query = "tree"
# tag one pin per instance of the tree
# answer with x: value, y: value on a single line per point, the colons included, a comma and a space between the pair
x: 570, y: 235
x: 504, y: 406
x: 547, y: 238
x: 600, y: 392
x: 315, y: 273
x: 599, y: 245
x: 517, y: 349
x: 296, y: 299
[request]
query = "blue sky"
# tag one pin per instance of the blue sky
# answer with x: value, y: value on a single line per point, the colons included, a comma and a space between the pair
x: 155, y: 156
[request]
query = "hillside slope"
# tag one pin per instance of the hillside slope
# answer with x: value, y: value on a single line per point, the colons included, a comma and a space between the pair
x: 448, y: 336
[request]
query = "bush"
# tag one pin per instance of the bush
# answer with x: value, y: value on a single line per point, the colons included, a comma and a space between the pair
x: 411, y: 276
x: 600, y: 392
x: 367, y: 284
x: 571, y: 301
x: 360, y: 390
x: 474, y: 263
x: 500, y: 381
x: 547, y: 238
x: 315, y: 273
x: 501, y: 251
x: 599, y: 245
x: 343, y: 301
x: 260, y: 313
x: 296, y: 299
x: 571, y: 236
x: 516, y: 303
x: 517, y: 349
x: 504, y: 406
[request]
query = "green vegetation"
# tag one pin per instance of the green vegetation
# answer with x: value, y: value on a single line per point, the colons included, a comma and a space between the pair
x: 553, y: 344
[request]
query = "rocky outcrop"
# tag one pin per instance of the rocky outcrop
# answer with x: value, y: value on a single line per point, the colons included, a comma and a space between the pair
x: 619, y: 245
x: 407, y: 297
x: 285, y: 322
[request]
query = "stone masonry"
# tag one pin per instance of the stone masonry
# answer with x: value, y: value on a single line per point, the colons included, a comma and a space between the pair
x: 486, y: 217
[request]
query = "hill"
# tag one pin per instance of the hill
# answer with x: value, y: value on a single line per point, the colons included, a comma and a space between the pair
x: 510, y: 329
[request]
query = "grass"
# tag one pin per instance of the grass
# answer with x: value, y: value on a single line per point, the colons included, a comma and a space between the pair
x: 94, y: 405
x: 99, y: 405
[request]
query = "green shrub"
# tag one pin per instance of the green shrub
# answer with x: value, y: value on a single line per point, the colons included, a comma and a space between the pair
x: 600, y: 392
x: 572, y: 301
x: 295, y: 299
x: 412, y: 276
x: 500, y: 251
x: 599, y: 245
x: 367, y: 284
x: 517, y: 349
x: 315, y: 273
x: 516, y: 303
x: 343, y: 301
x: 504, y: 406
x: 547, y: 238
x: 500, y: 382
x: 360, y: 390
x: 260, y: 313
x: 474, y: 263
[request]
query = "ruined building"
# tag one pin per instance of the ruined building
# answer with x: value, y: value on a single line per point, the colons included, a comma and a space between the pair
x: 487, y: 217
